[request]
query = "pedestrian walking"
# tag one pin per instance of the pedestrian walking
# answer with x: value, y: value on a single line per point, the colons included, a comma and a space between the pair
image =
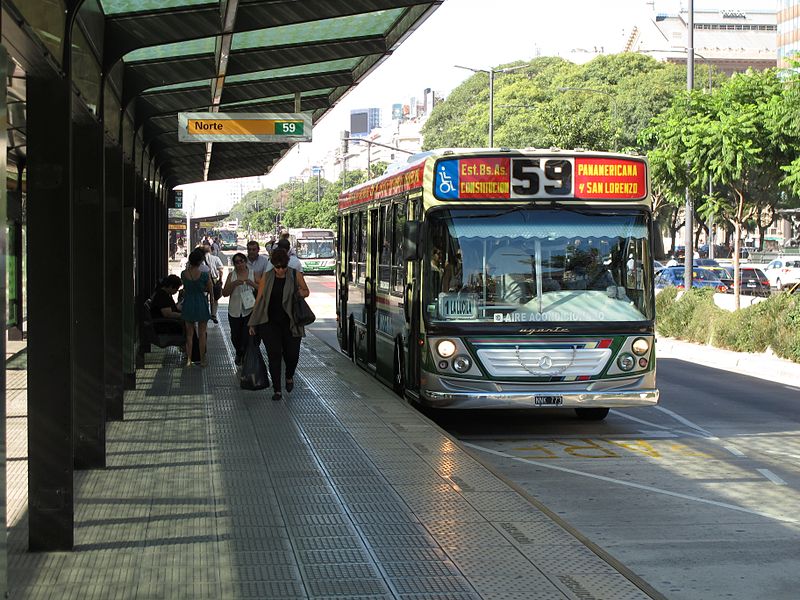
x: 258, y: 263
x: 273, y: 319
x: 241, y: 288
x: 216, y: 272
x: 294, y: 262
x: 194, y: 311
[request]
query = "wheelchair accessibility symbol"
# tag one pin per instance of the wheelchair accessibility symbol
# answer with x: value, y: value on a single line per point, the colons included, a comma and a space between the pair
x: 446, y: 180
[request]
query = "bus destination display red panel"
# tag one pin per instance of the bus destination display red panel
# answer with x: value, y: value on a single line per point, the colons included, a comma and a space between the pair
x: 484, y: 178
x: 552, y: 178
x: 609, y: 178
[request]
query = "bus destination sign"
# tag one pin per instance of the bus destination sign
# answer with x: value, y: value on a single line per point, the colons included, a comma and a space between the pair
x: 244, y: 127
x: 609, y: 178
x: 552, y: 178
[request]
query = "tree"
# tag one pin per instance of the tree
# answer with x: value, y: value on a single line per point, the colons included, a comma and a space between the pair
x: 730, y: 135
x: 541, y: 106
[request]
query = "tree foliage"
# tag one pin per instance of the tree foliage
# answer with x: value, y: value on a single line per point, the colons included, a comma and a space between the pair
x: 295, y: 204
x: 737, y: 137
x: 600, y: 105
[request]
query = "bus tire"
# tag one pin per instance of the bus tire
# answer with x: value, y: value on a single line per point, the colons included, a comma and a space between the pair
x: 591, y: 414
x: 398, y: 380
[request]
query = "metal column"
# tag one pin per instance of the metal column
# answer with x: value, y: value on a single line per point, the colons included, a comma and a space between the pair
x: 3, y: 415
x: 50, y: 418
x: 88, y: 310
x: 115, y: 305
x: 129, y: 268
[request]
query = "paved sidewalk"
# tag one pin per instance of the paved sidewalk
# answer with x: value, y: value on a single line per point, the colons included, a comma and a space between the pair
x: 763, y: 365
x: 339, y: 491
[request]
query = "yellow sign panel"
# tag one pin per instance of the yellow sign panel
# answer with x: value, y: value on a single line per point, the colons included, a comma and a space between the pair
x: 178, y: 226
x: 244, y: 127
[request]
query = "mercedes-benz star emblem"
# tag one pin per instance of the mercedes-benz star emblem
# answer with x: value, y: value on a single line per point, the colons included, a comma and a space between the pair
x: 545, y: 362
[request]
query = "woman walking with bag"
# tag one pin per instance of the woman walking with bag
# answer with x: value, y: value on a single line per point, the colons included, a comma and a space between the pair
x: 273, y: 318
x: 196, y: 284
x: 241, y: 288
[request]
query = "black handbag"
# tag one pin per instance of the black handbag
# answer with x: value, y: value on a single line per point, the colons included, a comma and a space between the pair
x: 254, y: 374
x: 303, y: 315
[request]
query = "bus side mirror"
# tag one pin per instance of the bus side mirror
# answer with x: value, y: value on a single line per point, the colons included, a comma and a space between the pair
x: 411, y: 238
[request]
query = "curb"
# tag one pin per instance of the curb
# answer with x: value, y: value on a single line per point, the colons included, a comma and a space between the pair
x: 763, y: 365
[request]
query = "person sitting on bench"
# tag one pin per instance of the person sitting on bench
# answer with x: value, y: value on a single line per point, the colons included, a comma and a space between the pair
x: 163, y: 305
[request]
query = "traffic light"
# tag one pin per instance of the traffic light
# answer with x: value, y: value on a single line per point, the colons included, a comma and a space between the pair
x: 345, y: 147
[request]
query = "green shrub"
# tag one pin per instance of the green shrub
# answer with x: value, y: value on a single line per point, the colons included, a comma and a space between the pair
x: 690, y: 317
x: 787, y: 331
x: 773, y: 323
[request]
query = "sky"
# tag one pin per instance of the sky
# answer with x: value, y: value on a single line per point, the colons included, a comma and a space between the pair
x: 473, y: 33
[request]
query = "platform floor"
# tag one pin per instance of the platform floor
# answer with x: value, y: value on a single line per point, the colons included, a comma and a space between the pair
x: 341, y: 490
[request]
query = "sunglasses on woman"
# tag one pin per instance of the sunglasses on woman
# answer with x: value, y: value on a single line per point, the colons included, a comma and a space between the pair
x: 280, y: 266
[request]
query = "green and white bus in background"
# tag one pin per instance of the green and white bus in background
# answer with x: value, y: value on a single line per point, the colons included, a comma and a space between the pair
x: 315, y: 248
x: 503, y: 279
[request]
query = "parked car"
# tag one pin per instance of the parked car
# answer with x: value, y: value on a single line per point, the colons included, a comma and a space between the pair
x: 719, y: 251
x: 704, y: 262
x: 657, y: 266
x: 752, y: 281
x: 783, y: 271
x: 673, y: 276
x: 720, y: 272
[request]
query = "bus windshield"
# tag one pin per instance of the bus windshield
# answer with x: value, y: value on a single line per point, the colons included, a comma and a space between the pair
x: 315, y: 248
x: 538, y: 265
x: 227, y: 235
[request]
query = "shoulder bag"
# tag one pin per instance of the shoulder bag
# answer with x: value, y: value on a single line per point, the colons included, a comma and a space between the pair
x: 303, y: 315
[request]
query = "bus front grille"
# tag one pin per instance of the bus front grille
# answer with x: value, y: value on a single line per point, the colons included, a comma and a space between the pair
x: 543, y: 362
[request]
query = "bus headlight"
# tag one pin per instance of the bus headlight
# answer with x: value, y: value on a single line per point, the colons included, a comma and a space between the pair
x: 461, y: 364
x: 446, y: 348
x: 626, y: 362
x: 640, y: 346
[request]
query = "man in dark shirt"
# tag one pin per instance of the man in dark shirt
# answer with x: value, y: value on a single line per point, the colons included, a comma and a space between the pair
x: 163, y: 306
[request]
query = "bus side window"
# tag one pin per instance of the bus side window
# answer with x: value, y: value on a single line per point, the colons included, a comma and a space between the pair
x: 361, y: 274
x: 385, y: 249
x: 398, y: 265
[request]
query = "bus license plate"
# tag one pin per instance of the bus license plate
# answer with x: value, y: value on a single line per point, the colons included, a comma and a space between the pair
x: 548, y: 400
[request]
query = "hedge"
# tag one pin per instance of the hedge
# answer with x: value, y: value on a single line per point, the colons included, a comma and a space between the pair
x: 773, y: 323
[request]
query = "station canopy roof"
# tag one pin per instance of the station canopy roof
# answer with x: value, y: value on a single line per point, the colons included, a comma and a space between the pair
x: 244, y: 56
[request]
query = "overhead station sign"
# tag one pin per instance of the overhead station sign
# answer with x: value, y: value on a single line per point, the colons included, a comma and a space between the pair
x: 244, y: 127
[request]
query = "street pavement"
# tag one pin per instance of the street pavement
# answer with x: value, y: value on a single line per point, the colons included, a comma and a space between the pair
x: 763, y: 365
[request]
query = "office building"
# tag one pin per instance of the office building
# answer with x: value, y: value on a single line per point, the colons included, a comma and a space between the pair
x: 788, y: 21
x: 732, y: 40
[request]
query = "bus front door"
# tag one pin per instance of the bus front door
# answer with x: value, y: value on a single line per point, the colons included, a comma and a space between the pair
x: 370, y: 299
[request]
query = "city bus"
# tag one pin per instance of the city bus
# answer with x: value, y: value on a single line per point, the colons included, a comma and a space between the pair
x: 314, y: 248
x: 503, y: 279
x: 229, y: 240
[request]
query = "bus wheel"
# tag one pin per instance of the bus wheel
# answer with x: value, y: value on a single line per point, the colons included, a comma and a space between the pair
x: 591, y: 414
x: 398, y: 380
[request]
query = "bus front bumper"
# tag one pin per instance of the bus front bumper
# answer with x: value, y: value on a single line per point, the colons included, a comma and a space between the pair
x: 626, y: 393
x: 541, y: 400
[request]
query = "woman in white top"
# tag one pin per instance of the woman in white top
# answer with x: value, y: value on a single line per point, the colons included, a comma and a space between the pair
x: 241, y: 288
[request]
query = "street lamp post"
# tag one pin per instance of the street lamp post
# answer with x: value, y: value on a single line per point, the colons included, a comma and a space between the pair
x: 688, y: 238
x: 612, y: 100
x: 491, y: 71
